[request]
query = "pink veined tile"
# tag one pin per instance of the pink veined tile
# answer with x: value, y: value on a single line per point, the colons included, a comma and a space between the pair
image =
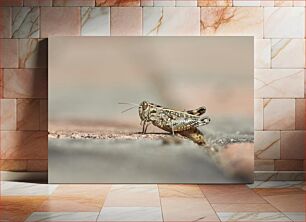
x: 4, y: 3
x: 5, y: 22
x: 230, y: 194
x: 267, y: 144
x: 218, y: 21
x: 118, y: 2
x: 292, y: 144
x: 8, y: 114
x: 246, y: 3
x: 24, y: 145
x: 299, y: 3
x: 208, y: 3
x: 267, y: 3
x: 8, y: 53
x: 258, y: 114
x: 187, y: 209
x: 37, y: 2
x: 285, y: 200
x: 25, y: 83
x: 37, y: 165
x: 284, y: 22
x: 28, y: 114
x: 126, y: 21
x: 51, y: 17
x: 73, y: 2
x: 264, y: 165
x: 262, y: 207
x: 133, y: 196
x: 289, y: 165
x: 182, y: 21
x: 146, y: 2
x: 299, y: 114
x: 71, y: 204
x: 18, y: 208
x: 279, y: 114
x: 1, y: 83
x: 33, y: 53
x: 93, y: 191
x: 279, y: 83
x: 43, y: 114
x: 184, y: 191
x: 279, y: 3
x: 13, y: 165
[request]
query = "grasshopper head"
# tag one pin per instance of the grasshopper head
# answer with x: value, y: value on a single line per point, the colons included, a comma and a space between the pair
x: 143, y: 110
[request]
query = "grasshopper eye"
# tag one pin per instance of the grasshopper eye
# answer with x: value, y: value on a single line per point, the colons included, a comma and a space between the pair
x: 144, y: 105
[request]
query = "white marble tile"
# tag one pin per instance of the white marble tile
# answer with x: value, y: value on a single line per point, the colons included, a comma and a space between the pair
x: 229, y: 21
x: 95, y: 21
x: 279, y: 83
x: 246, y: 3
x: 267, y: 145
x: 262, y: 51
x: 284, y: 22
x: 163, y: 3
x: 130, y: 214
x: 288, y: 53
x: 252, y: 216
x: 25, y: 22
x: 276, y: 184
x: 63, y: 216
x: 295, y: 216
x: 168, y: 21
x: 258, y: 114
x: 9, y: 188
x: 186, y: 3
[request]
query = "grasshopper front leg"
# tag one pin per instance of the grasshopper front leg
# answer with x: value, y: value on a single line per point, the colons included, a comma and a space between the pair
x: 144, y: 127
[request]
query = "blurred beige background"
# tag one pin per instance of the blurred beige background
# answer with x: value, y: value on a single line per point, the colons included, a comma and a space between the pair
x: 88, y: 76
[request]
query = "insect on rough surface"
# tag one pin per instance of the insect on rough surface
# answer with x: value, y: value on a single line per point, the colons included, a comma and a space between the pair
x: 184, y: 123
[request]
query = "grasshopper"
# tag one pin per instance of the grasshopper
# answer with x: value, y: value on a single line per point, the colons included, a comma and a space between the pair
x: 184, y: 123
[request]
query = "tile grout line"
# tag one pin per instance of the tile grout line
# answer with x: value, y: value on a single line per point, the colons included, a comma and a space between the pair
x: 161, y: 208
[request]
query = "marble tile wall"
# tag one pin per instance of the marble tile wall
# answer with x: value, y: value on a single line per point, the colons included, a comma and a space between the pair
x: 277, y: 25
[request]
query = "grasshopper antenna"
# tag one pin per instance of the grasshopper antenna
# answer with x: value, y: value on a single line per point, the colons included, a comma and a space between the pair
x: 134, y: 106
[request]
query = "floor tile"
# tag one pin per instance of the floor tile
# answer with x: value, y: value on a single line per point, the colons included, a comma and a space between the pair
x: 9, y: 188
x: 263, y: 207
x: 230, y: 194
x: 71, y: 204
x: 268, y: 216
x: 285, y: 199
x: 295, y: 216
x: 63, y: 216
x: 18, y: 208
x: 191, y: 191
x: 96, y: 191
x: 187, y: 209
x: 276, y: 184
x: 130, y: 214
x: 133, y: 196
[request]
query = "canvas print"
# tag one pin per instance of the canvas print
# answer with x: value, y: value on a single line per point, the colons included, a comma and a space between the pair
x: 150, y: 109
